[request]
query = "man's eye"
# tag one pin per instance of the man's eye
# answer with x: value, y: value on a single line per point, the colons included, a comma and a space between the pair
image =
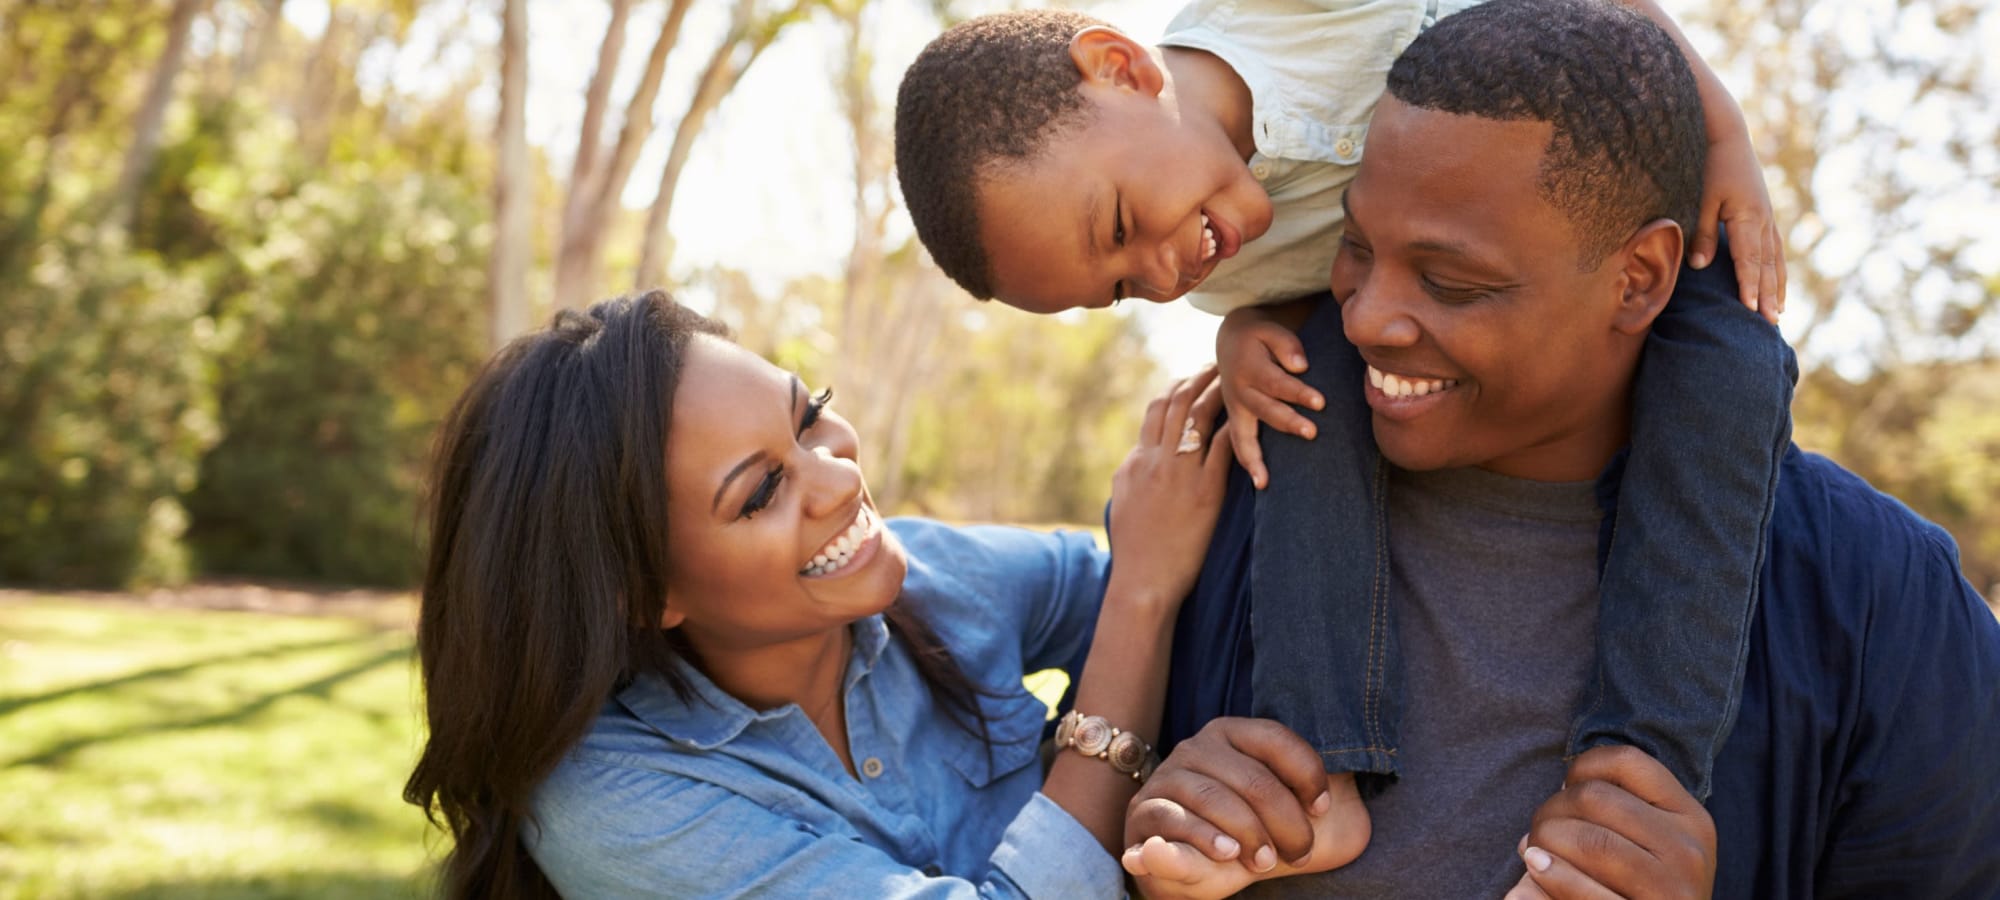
x: 1452, y: 293
x: 767, y: 490
x: 819, y: 403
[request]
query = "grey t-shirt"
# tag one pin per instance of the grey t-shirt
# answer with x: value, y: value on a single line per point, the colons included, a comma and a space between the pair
x: 1495, y: 592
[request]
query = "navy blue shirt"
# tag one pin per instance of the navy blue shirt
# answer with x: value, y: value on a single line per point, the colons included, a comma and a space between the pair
x: 1865, y: 760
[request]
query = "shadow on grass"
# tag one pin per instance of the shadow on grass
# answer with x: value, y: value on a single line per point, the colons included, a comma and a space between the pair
x: 314, y: 885
x: 14, y: 704
x: 321, y: 687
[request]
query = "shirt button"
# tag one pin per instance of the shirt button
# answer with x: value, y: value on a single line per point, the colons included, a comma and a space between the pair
x: 932, y: 871
x: 1344, y: 147
x: 1261, y: 171
x: 1429, y: 21
x: 871, y: 767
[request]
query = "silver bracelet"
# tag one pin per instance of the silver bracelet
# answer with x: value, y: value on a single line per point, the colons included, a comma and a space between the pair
x: 1093, y: 736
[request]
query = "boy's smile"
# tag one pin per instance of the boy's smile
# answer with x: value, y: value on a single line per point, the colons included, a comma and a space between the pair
x: 1142, y: 197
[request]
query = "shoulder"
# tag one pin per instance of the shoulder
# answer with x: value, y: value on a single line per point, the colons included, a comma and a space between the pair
x: 1827, y: 519
x: 988, y: 559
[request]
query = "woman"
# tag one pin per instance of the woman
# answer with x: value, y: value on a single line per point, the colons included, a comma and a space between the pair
x: 671, y: 649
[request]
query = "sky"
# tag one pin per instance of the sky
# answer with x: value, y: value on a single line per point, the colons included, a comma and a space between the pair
x: 769, y: 172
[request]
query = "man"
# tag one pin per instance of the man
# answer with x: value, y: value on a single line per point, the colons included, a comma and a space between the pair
x: 1518, y: 221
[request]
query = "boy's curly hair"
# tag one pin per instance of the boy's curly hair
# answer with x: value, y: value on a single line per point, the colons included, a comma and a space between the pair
x: 1629, y: 143
x: 989, y: 90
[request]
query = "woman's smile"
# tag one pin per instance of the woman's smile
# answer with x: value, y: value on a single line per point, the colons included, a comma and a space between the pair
x: 849, y: 551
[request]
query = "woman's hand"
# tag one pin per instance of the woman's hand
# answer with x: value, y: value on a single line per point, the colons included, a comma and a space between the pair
x: 1166, y: 494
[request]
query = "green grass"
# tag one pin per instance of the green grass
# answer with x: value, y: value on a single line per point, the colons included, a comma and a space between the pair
x: 184, y: 754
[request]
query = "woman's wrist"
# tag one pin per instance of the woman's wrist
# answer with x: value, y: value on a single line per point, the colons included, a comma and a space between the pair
x: 1142, y: 595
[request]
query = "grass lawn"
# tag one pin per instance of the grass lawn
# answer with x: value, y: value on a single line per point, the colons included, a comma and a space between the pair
x: 184, y: 753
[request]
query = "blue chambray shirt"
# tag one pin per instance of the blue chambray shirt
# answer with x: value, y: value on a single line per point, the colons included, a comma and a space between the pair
x: 667, y: 799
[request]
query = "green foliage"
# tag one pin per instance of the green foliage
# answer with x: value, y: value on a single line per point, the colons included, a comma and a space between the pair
x: 351, y: 330
x: 179, y: 753
x: 107, y: 405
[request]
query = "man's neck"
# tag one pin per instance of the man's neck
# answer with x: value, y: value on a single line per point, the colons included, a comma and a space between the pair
x: 1209, y: 89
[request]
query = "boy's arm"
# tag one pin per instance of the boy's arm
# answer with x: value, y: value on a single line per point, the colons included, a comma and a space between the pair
x: 1258, y: 352
x: 1733, y: 189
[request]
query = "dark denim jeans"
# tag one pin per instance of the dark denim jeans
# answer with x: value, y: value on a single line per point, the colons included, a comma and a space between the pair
x: 1711, y: 419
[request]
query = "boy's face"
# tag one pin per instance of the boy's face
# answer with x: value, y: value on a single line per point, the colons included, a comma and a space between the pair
x: 1456, y: 278
x: 1136, y: 200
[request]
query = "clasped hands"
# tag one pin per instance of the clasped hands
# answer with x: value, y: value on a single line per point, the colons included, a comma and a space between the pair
x: 1247, y: 800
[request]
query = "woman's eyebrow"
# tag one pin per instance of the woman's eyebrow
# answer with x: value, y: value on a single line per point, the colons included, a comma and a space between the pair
x: 798, y: 388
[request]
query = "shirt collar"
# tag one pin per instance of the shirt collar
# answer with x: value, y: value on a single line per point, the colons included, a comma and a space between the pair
x: 709, y: 717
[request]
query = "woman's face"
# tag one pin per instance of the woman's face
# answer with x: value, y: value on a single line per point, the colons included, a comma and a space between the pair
x: 772, y: 534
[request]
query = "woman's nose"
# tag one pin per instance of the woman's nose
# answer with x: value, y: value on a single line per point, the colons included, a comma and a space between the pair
x: 832, y: 483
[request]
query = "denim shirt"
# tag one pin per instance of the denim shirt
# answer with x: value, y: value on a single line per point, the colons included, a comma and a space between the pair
x: 670, y: 799
x: 1863, y: 759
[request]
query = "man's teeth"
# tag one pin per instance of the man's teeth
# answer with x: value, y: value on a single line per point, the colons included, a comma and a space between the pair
x: 838, y: 551
x: 1207, y: 239
x: 1399, y: 386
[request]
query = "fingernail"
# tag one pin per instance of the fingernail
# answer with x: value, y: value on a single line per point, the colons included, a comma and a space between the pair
x: 1318, y: 402
x: 1227, y: 846
x: 1298, y: 362
x: 1267, y: 859
x: 1538, y: 859
x: 1521, y: 846
x: 1698, y: 260
x: 1308, y: 432
x: 1300, y: 863
x: 1322, y: 803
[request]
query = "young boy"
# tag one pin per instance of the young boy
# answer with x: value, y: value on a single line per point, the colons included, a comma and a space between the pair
x: 1052, y: 162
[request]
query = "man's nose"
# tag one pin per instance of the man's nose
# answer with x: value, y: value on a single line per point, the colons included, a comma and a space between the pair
x: 1377, y: 315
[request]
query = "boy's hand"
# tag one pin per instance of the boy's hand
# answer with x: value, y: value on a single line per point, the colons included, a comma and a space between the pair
x: 1621, y: 827
x: 1733, y: 193
x: 1260, y: 359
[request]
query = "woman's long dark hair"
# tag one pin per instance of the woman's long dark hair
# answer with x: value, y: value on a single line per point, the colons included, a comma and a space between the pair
x: 547, y: 574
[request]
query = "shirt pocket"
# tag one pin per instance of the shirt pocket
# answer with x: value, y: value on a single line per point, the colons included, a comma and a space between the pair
x: 1014, y: 724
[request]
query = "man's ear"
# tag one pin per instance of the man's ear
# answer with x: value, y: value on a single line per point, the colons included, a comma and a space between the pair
x: 1107, y: 56
x: 1650, y: 265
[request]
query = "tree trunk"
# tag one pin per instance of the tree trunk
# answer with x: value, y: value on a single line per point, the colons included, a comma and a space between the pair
x: 717, y: 79
x: 153, y: 110
x: 507, y: 269
x: 582, y: 252
x: 596, y: 98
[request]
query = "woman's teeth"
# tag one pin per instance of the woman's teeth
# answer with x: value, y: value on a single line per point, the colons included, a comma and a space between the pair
x: 840, y: 550
x: 1207, y: 239
x: 1399, y: 386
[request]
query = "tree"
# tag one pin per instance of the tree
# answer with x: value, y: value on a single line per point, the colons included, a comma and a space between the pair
x: 507, y: 278
x: 599, y: 178
x: 153, y: 109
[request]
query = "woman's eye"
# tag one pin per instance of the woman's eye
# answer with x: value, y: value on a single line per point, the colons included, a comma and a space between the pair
x: 818, y: 405
x: 767, y: 490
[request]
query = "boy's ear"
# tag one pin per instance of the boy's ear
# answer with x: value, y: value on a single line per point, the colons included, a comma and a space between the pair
x: 1105, y: 55
x: 1651, y: 264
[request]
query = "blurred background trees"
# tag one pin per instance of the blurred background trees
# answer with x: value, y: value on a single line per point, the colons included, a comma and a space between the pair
x: 251, y: 249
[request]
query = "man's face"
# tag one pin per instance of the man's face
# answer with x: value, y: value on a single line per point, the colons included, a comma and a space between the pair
x: 1132, y: 202
x: 1458, y: 282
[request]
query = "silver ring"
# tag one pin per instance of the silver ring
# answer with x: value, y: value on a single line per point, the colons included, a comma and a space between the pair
x: 1190, y: 438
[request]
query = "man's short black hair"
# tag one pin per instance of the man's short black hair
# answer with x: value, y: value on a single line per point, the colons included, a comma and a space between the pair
x: 989, y: 90
x: 1629, y: 143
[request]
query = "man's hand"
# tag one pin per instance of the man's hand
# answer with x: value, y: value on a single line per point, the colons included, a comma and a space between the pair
x: 1260, y: 359
x: 1733, y: 193
x: 1173, y: 870
x: 1621, y: 827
